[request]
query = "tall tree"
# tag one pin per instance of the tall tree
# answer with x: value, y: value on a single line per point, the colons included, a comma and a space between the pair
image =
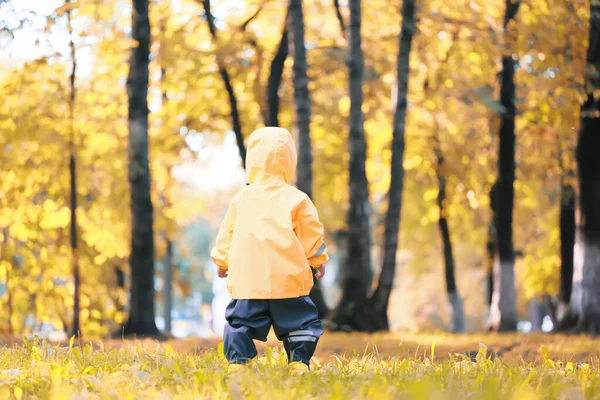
x: 357, y: 274
x: 585, y: 298
x: 560, y: 308
x: 167, y: 296
x: 142, y: 302
x: 380, y: 299
x: 75, y: 329
x: 275, y: 75
x: 454, y: 299
x: 433, y: 84
x: 490, y: 245
x: 301, y: 97
x: 567, y: 243
x: 302, y: 122
x: 503, y: 312
x: 224, y: 73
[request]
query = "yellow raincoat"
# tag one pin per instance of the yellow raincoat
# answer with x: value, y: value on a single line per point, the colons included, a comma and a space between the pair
x: 271, y: 232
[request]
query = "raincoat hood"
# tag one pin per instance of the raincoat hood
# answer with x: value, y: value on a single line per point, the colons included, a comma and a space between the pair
x: 271, y: 155
x: 271, y: 234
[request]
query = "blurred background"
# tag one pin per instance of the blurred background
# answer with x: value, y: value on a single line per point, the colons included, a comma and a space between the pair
x: 465, y: 79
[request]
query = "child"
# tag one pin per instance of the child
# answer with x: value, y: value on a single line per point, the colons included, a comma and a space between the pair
x: 268, y: 243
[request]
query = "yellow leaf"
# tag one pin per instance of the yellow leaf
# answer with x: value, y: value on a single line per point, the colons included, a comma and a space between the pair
x: 220, y: 351
x: 545, y: 352
x: 344, y: 105
x: 18, y: 392
x: 433, y: 214
x: 56, y: 376
x: 430, y: 194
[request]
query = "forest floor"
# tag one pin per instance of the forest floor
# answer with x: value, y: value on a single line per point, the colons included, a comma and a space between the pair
x: 517, y: 347
x: 346, y: 366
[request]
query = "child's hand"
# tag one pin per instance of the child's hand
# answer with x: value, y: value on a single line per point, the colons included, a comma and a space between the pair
x: 222, y: 273
x: 320, y: 272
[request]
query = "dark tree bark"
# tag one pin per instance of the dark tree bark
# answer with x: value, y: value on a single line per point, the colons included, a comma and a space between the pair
x: 491, y: 243
x: 303, y: 114
x: 380, y: 298
x: 168, y: 286
x: 234, y: 113
x: 75, y: 329
x: 585, y: 298
x: 559, y: 308
x: 120, y: 281
x: 302, y: 101
x: 567, y: 247
x: 356, y: 274
x: 455, y: 302
x: 338, y: 13
x: 454, y: 299
x: 275, y: 75
x: 142, y: 299
x: 503, y: 312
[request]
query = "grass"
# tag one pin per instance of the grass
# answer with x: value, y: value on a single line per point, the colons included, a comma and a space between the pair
x: 418, y: 370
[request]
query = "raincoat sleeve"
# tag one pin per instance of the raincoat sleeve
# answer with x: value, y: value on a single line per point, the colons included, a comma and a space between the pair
x: 220, y: 253
x: 310, y: 232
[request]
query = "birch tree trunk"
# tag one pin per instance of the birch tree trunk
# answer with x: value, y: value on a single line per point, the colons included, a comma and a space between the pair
x: 503, y: 311
x: 585, y: 298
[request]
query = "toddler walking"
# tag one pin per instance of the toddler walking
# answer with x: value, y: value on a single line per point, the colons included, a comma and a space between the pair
x: 268, y: 243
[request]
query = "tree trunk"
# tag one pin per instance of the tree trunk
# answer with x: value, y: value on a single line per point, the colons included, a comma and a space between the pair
x: 357, y: 275
x: 585, y: 298
x: 380, y: 299
x: 142, y: 300
x: 455, y: 301
x: 275, y: 75
x: 567, y: 245
x: 303, y: 114
x: 234, y: 113
x: 120, y: 280
x: 76, y: 329
x: 168, y: 286
x: 536, y: 314
x: 301, y: 97
x: 503, y: 313
x: 491, y: 244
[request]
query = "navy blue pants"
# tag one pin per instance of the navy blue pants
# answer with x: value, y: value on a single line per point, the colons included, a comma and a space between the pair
x: 295, y: 322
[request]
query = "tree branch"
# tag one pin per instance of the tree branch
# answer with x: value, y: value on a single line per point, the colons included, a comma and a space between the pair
x: 234, y: 113
x: 340, y: 17
x: 252, y: 17
x: 275, y: 76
